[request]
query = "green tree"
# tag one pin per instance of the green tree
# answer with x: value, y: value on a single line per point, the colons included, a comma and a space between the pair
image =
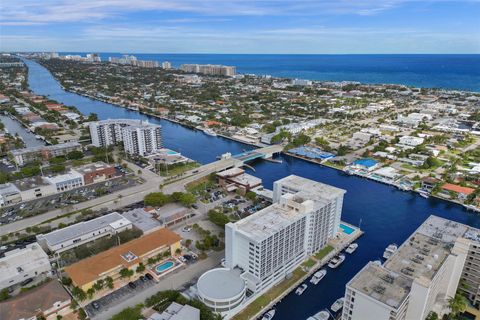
x: 457, y: 305
x: 109, y: 282
x: 79, y: 293
x: 4, y: 294
x: 432, y: 316
x: 126, y: 273
x: 140, y: 268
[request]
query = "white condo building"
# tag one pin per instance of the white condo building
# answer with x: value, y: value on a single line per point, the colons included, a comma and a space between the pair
x: 418, y: 278
x: 267, y: 246
x: 139, y: 138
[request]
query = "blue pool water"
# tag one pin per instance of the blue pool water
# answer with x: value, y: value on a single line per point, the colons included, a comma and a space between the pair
x: 346, y: 229
x: 172, y: 152
x: 164, y: 266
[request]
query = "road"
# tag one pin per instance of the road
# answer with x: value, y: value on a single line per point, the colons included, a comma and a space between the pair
x: 125, y: 197
x: 174, y: 281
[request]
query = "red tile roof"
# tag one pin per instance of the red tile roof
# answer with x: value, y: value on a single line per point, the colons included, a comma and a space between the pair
x: 457, y: 188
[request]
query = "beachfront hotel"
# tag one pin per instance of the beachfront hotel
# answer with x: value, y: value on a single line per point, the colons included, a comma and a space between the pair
x: 264, y: 248
x: 418, y: 278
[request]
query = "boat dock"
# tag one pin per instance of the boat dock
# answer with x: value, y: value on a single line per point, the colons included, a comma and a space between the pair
x: 347, y: 234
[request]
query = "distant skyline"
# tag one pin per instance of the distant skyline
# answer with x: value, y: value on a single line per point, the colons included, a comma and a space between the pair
x: 215, y: 26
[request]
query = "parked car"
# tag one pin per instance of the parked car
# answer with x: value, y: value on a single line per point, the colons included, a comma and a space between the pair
x: 132, y: 285
x: 149, y: 276
x: 95, y: 305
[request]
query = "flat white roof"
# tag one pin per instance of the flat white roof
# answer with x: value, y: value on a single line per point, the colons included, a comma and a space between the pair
x: 221, y: 284
x: 19, y: 261
x: 113, y: 220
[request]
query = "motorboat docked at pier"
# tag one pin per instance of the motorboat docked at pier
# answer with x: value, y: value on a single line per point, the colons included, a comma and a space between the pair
x: 336, y: 261
x: 210, y: 132
x: 301, y: 289
x: 351, y: 248
x: 318, y: 276
x: 337, y: 305
x: 390, y: 250
x: 269, y: 315
x: 424, y: 194
x: 322, y: 315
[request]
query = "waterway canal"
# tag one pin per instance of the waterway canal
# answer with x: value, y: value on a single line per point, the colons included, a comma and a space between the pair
x: 387, y: 215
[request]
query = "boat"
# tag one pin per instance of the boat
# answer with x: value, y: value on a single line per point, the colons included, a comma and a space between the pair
x: 336, y: 261
x: 210, y: 132
x: 390, y: 250
x: 318, y: 276
x: 424, y: 194
x: 472, y: 207
x: 351, y: 248
x: 300, y: 289
x: 322, y: 315
x: 377, y: 262
x: 337, y: 305
x: 269, y: 315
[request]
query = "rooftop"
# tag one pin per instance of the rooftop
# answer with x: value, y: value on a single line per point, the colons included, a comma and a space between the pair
x: 314, y: 189
x: 19, y: 261
x: 28, y: 304
x: 142, y: 219
x: 382, y: 284
x: 90, y: 269
x: 221, y: 283
x: 30, y: 183
x: 72, y: 175
x: 7, y: 189
x: 92, y: 167
x: 113, y: 220
x: 176, y: 311
x: 48, y: 148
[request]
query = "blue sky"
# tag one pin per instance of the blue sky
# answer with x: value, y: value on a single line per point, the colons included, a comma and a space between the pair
x: 241, y: 26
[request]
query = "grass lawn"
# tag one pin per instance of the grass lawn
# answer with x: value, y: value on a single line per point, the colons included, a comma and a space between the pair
x: 253, y: 308
x: 309, y: 263
x: 179, y: 169
x: 322, y: 253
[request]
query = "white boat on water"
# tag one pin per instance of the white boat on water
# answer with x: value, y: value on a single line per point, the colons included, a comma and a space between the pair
x: 336, y: 261
x: 210, y: 132
x: 390, y: 250
x: 318, y: 276
x: 337, y: 305
x: 322, y: 315
x: 424, y: 194
x: 472, y: 207
x: 351, y: 248
x: 269, y: 315
x: 301, y: 289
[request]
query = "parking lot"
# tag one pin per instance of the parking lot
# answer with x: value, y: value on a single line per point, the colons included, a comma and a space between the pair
x: 118, y: 295
x: 61, y: 200
x: 127, y: 291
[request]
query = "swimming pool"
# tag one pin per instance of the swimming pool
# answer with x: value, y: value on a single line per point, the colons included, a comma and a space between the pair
x: 346, y: 229
x: 171, y: 152
x: 161, y: 268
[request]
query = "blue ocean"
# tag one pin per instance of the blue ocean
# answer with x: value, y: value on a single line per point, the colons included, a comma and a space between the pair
x: 449, y: 71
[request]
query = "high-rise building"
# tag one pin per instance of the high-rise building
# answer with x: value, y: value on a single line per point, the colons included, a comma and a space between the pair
x: 166, y: 65
x: 417, y: 279
x: 272, y: 242
x: 143, y: 139
x: 139, y: 138
x: 209, y: 69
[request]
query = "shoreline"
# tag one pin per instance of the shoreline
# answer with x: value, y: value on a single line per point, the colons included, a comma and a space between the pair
x: 246, y: 143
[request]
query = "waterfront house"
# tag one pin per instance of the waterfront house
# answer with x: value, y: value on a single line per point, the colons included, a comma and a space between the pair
x: 461, y: 192
x: 428, y: 183
x: 365, y: 164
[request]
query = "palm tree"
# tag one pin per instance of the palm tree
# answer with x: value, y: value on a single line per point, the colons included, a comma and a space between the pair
x: 457, y: 305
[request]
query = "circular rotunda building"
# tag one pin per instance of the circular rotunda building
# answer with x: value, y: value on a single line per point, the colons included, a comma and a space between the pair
x: 221, y: 289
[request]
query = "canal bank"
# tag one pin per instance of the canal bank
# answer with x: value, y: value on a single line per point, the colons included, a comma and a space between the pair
x: 387, y: 214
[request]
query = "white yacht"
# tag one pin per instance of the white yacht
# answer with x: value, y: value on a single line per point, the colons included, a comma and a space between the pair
x: 269, y: 315
x: 424, y: 194
x: 301, y: 289
x: 337, y: 305
x: 317, y: 276
x: 322, y: 315
x: 210, y: 132
x: 336, y: 261
x: 351, y: 248
x: 390, y: 250
x: 472, y: 207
